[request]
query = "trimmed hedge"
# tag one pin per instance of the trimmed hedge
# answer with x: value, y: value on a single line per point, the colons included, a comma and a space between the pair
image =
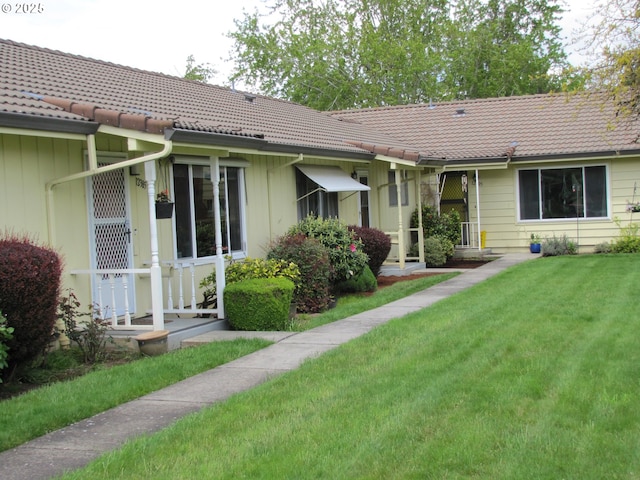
x: 259, y: 304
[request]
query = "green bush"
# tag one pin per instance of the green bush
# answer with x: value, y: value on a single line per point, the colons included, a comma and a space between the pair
x: 376, y: 244
x: 445, y: 225
x: 364, y: 282
x: 311, y: 294
x: 435, y: 251
x: 88, y: 333
x: 5, y: 334
x: 247, y: 269
x: 260, y: 304
x: 629, y: 240
x: 558, y: 246
x: 345, y: 251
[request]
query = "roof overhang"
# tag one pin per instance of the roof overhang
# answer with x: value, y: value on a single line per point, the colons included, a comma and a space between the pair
x: 47, y: 124
x: 332, y: 178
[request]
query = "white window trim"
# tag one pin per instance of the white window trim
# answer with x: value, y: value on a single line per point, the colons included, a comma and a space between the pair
x: 241, y: 164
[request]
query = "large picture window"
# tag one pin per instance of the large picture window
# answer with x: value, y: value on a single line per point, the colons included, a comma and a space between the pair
x: 194, y: 208
x: 551, y: 193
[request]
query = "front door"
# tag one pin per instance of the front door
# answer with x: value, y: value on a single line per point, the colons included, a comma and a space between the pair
x: 364, y: 219
x: 111, y: 248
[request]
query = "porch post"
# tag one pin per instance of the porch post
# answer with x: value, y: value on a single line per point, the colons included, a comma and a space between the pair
x: 220, y: 279
x: 156, y: 272
x: 478, y: 209
x: 420, y: 228
x: 401, y: 249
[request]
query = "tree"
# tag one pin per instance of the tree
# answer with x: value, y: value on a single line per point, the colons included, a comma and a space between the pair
x: 336, y: 54
x: 615, y: 37
x: 202, y: 72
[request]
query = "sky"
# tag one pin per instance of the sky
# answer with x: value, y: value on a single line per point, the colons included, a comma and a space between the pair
x: 159, y: 35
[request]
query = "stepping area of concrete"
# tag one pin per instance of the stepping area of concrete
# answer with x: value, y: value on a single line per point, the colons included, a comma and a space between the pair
x: 74, y: 446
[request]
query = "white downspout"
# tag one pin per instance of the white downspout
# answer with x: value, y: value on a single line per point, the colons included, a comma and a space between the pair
x: 220, y: 277
x: 478, y: 209
x: 167, y: 146
x: 150, y: 172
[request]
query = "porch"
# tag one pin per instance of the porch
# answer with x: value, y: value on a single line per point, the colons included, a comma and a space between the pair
x: 180, y: 327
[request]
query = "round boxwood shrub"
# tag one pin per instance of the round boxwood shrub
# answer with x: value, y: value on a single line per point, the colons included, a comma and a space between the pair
x: 363, y: 282
x: 260, y: 304
x: 376, y: 244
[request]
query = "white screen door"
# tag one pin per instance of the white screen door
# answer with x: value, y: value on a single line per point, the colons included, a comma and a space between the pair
x: 111, y: 248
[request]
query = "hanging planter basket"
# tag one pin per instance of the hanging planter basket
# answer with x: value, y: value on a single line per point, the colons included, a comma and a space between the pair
x: 164, y: 210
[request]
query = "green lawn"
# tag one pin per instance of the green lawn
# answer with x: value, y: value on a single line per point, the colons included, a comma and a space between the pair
x: 533, y: 374
x: 48, y: 408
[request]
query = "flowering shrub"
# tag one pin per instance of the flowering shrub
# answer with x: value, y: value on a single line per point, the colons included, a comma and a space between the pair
x: 345, y: 250
x: 312, y: 292
x: 376, y: 244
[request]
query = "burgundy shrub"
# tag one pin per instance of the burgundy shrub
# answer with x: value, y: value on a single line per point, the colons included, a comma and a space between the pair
x: 312, y: 294
x: 377, y: 245
x: 29, y: 290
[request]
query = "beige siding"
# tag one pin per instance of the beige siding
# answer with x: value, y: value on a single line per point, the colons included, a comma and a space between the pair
x: 499, y: 204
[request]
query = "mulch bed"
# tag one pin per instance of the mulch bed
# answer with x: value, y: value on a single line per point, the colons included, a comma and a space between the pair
x: 386, y: 280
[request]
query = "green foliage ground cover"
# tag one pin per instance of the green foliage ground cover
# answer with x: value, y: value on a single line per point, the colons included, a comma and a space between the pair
x: 530, y: 374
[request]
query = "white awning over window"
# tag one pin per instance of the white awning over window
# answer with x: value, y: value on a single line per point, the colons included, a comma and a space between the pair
x: 332, y: 178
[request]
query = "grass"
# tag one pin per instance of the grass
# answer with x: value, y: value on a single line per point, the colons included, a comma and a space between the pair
x: 353, y: 304
x: 533, y: 374
x: 48, y: 408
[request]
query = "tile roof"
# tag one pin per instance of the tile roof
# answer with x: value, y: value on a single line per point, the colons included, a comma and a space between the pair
x: 523, y: 127
x: 41, y: 82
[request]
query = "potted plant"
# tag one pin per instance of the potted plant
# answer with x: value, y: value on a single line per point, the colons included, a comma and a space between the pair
x: 534, y: 243
x: 164, y: 205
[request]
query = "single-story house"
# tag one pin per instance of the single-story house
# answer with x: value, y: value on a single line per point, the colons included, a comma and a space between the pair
x: 88, y: 147
x: 559, y: 164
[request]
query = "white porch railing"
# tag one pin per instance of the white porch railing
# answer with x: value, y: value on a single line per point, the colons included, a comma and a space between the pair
x: 406, y: 236
x: 469, y: 235
x: 181, y: 298
x: 112, y: 291
x: 108, y: 303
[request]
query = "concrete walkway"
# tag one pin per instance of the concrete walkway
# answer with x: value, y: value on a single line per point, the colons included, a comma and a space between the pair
x: 76, y: 445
